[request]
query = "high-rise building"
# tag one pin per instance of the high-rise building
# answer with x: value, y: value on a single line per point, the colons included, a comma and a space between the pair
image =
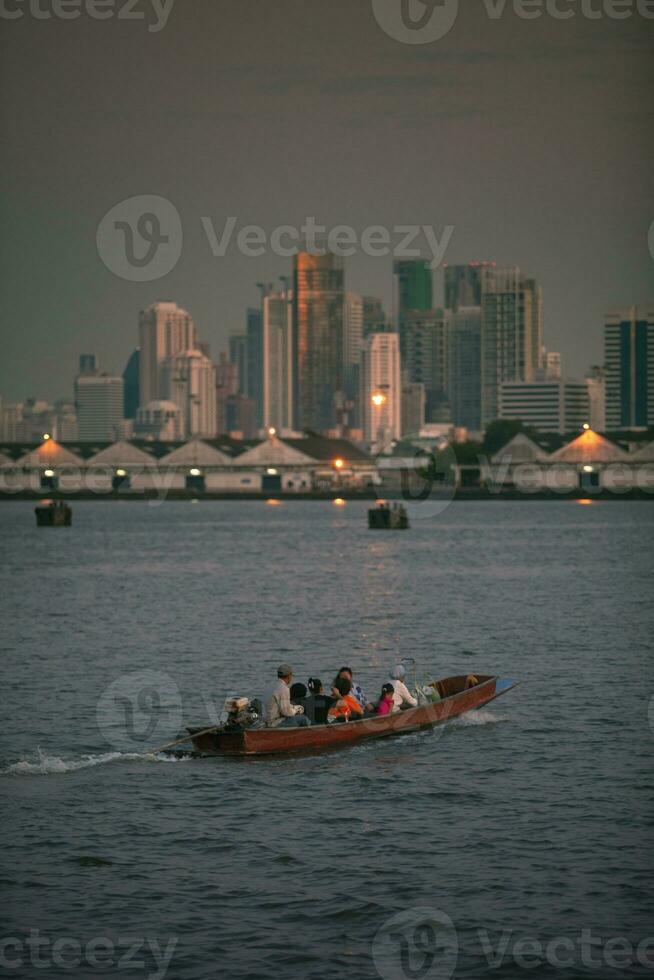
x: 511, y: 338
x: 190, y: 383
x: 88, y: 364
x: 424, y: 352
x: 381, y: 389
x: 463, y: 284
x: 160, y: 421
x: 277, y: 353
x: 550, y: 406
x: 464, y: 366
x: 551, y: 366
x: 238, y: 346
x: 240, y: 417
x: 318, y: 295
x: 629, y: 361
x: 99, y: 406
x: 353, y: 316
x: 415, y: 286
x: 596, y: 382
x: 254, y: 361
x: 165, y: 330
x: 374, y: 317
x: 131, y: 385
x: 413, y: 407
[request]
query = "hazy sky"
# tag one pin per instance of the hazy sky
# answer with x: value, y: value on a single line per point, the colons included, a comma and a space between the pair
x: 533, y: 138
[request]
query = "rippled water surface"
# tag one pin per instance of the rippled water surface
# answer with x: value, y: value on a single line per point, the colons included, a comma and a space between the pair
x: 531, y: 819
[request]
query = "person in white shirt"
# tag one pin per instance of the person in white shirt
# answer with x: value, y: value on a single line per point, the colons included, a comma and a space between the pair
x: 279, y: 712
x: 402, y: 697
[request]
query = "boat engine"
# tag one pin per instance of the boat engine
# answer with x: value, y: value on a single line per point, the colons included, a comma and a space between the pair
x: 242, y: 713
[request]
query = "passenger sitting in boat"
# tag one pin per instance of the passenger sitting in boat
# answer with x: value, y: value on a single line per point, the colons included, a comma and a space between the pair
x: 385, y: 705
x: 357, y: 691
x: 402, y: 697
x: 318, y: 703
x: 471, y: 681
x: 279, y: 710
x: 298, y: 692
x: 347, y: 707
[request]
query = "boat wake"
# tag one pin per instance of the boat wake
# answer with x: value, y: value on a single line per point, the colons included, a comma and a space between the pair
x: 480, y: 717
x: 46, y: 765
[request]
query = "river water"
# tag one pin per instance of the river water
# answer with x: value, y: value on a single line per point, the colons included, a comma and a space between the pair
x: 516, y: 841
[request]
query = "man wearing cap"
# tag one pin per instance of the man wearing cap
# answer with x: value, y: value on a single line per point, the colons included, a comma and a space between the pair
x: 279, y: 710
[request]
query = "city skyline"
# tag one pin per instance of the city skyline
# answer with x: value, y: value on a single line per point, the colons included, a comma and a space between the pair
x: 528, y: 137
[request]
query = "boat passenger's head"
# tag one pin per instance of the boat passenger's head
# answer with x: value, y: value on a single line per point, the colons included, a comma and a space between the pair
x: 315, y: 685
x: 387, y: 690
x: 398, y: 672
x: 285, y: 673
x: 343, y: 686
x: 298, y: 691
x: 345, y: 672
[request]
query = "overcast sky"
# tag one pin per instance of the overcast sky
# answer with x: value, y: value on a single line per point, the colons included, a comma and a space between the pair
x: 533, y: 138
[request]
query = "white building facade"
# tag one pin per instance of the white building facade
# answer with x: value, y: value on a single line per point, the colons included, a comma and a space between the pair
x: 381, y: 389
x: 189, y: 381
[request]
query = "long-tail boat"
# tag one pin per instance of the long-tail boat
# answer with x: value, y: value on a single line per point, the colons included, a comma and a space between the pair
x: 456, y: 696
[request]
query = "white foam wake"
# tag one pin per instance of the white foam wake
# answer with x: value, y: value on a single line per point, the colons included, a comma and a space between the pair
x: 480, y: 717
x: 46, y: 765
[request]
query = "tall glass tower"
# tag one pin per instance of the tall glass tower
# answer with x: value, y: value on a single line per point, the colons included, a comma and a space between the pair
x: 318, y: 300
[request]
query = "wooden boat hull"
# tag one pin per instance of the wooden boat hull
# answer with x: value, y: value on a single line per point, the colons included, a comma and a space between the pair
x: 275, y: 741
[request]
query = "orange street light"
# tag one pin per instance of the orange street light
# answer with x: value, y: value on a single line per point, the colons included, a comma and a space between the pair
x: 379, y: 399
x: 339, y: 463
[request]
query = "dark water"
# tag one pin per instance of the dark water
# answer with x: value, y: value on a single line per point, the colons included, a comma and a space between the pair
x: 530, y: 820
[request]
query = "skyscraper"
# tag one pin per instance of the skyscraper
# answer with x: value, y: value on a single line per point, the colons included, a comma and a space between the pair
x: 277, y: 353
x: 511, y: 339
x: 424, y: 352
x: 413, y: 407
x: 374, y: 317
x: 381, y: 389
x: 99, y: 406
x: 254, y: 361
x: 131, y: 385
x: 238, y: 355
x: 318, y: 295
x: 629, y: 361
x: 463, y: 284
x: 190, y: 383
x: 415, y: 287
x: 165, y: 330
x: 353, y: 314
x: 464, y: 366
